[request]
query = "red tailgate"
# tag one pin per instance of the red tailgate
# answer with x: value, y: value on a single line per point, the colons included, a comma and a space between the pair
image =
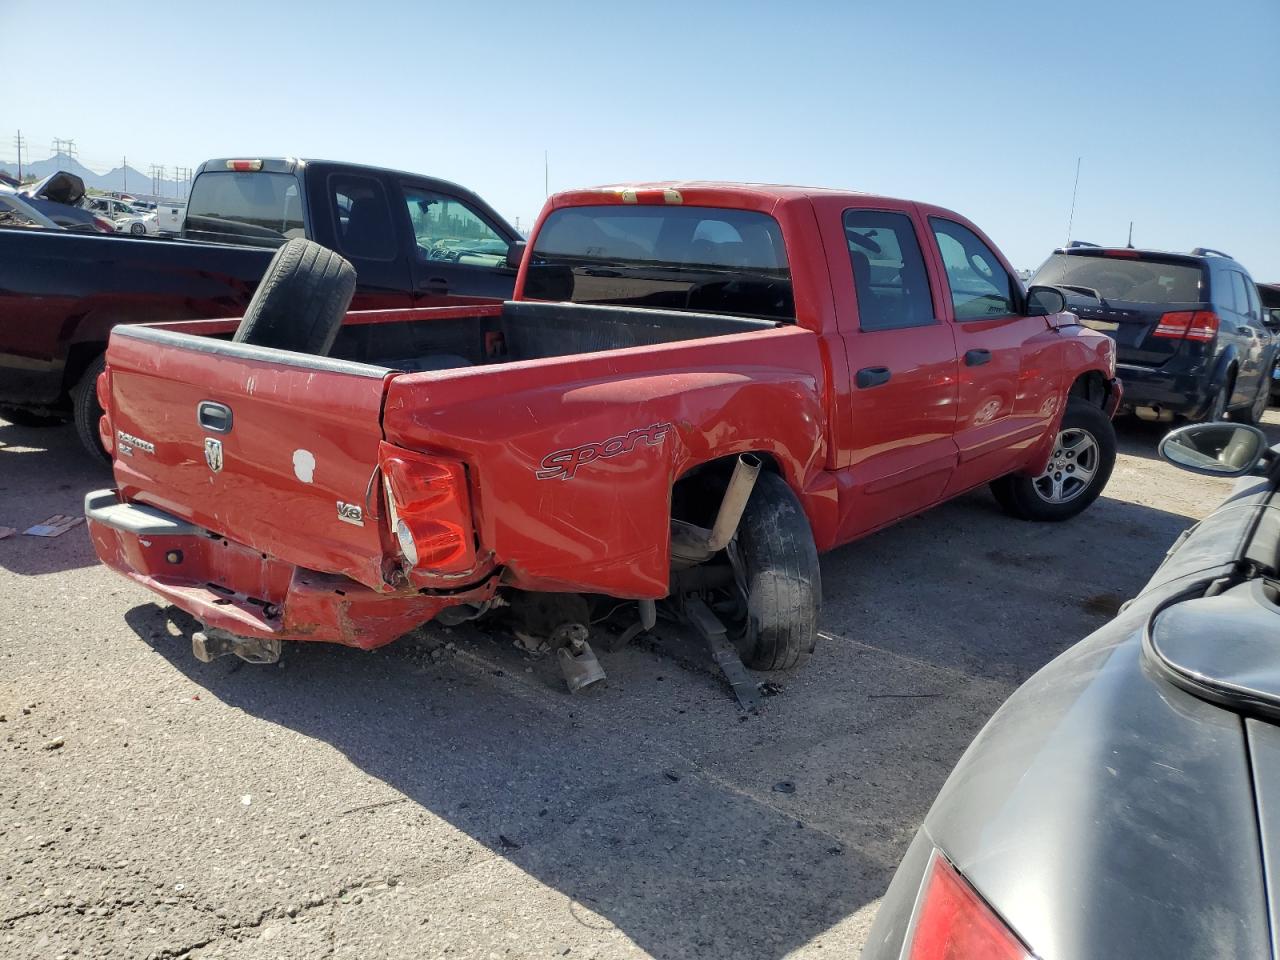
x: 287, y: 476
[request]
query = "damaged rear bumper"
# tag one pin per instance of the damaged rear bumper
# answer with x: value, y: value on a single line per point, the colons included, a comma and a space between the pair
x: 233, y: 587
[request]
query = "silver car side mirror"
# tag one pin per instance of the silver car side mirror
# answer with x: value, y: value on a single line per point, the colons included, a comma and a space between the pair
x: 1218, y: 449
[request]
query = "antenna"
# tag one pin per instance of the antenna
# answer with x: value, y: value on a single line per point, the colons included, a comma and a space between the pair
x: 1074, y: 189
x: 1130, y: 234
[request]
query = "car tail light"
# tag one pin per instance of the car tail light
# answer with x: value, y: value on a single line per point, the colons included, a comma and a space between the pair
x: 953, y: 923
x: 1204, y: 326
x: 102, y: 389
x: 430, y: 510
x: 103, y: 225
x: 1199, y: 325
x: 244, y: 166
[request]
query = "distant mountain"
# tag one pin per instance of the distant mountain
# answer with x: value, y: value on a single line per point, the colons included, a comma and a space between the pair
x: 125, y: 180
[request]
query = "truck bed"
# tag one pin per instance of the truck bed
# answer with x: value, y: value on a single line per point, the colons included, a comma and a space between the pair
x: 444, y: 338
x: 522, y: 379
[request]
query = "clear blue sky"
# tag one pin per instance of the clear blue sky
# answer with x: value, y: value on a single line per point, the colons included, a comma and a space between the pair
x: 979, y: 106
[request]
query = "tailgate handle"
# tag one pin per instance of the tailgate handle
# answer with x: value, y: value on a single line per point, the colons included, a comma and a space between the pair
x: 214, y: 417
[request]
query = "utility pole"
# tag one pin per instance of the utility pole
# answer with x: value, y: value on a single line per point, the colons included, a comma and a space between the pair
x: 17, y: 142
x: 65, y: 148
x: 124, y: 174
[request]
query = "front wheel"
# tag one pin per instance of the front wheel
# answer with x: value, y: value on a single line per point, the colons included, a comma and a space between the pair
x: 138, y: 229
x: 1084, y: 453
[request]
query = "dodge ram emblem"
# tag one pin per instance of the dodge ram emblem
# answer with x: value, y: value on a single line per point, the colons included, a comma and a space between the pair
x: 213, y: 454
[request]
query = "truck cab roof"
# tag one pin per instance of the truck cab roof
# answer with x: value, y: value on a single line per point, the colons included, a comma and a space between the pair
x: 701, y: 193
x: 296, y: 165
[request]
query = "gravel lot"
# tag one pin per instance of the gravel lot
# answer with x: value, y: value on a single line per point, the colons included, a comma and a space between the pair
x: 444, y: 797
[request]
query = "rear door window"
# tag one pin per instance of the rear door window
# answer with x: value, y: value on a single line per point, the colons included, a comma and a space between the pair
x: 1239, y: 292
x: 889, y: 276
x: 706, y: 259
x: 980, y: 287
x: 362, y: 218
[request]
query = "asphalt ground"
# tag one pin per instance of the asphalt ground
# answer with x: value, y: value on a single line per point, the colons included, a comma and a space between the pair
x: 445, y: 797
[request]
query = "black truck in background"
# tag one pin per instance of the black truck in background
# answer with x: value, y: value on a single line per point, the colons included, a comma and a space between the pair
x: 414, y: 241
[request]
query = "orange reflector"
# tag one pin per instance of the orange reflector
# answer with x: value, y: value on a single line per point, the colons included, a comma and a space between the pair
x: 244, y: 166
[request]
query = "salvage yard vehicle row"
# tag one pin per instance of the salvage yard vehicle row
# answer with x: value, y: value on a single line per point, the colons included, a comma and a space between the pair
x: 415, y: 241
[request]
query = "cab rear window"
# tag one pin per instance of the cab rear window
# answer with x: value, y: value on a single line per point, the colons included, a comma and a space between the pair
x: 1123, y: 278
x: 263, y: 209
x: 704, y: 259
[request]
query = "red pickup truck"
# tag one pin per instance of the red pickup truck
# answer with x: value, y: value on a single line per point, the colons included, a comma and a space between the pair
x: 697, y: 388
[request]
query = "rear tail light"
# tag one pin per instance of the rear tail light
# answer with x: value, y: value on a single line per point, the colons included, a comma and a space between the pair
x: 953, y: 923
x: 102, y: 389
x: 430, y: 510
x: 1198, y: 325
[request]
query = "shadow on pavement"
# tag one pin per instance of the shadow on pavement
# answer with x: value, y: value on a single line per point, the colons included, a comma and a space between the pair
x: 45, y: 471
x: 651, y: 803
x: 592, y: 798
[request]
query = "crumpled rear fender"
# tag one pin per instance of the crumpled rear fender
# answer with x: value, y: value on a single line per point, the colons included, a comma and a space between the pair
x: 572, y: 482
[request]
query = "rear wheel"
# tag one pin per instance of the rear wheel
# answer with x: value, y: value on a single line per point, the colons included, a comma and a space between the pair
x: 300, y: 303
x: 1254, y: 413
x: 1217, y: 409
x: 777, y: 579
x: 1083, y: 455
x: 86, y: 411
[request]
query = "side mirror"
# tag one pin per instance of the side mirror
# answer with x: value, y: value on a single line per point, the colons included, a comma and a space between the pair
x: 1217, y: 449
x: 1045, y: 301
x: 515, y: 254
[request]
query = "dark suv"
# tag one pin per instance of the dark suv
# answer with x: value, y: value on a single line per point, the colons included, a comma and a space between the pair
x: 1191, y: 336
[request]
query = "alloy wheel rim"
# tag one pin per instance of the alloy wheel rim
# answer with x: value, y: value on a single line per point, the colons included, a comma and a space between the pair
x: 1071, y: 469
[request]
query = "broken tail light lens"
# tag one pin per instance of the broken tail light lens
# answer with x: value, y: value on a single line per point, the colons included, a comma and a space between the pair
x: 430, y: 510
x: 953, y: 923
x: 1198, y: 325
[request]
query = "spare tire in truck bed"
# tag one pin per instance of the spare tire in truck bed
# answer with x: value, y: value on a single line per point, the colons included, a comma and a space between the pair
x: 300, y: 303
